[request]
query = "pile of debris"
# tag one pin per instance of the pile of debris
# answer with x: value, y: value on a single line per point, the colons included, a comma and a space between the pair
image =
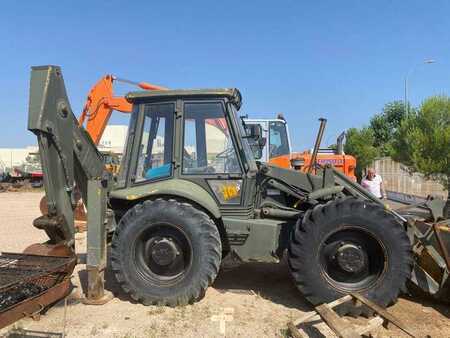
x: 18, y: 294
x: 17, y: 186
x: 29, y: 283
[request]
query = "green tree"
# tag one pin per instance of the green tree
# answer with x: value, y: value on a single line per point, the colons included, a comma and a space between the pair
x: 423, y: 139
x: 385, y: 125
x: 359, y: 143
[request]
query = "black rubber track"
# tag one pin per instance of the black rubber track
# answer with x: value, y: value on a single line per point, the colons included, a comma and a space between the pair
x: 206, y: 255
x: 303, y: 256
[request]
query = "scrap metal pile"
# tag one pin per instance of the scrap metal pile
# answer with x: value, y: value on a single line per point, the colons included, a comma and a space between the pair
x: 26, y: 282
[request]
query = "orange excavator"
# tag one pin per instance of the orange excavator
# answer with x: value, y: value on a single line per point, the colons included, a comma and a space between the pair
x: 101, y: 102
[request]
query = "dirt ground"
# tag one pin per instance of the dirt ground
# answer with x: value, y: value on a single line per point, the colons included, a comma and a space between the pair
x: 250, y: 300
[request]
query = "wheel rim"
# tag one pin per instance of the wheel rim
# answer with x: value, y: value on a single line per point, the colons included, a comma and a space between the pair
x: 163, y: 253
x: 352, y: 259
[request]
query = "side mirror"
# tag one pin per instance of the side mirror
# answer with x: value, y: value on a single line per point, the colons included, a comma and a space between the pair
x: 255, y: 139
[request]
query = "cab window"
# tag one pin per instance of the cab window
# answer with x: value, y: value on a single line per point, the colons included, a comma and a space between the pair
x: 278, y: 139
x: 155, y: 150
x: 208, y: 146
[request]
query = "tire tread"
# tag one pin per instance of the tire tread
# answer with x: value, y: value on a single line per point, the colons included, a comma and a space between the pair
x: 208, y: 271
x: 299, y: 260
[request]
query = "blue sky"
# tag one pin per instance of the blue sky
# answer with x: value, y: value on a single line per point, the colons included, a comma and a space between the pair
x: 342, y: 60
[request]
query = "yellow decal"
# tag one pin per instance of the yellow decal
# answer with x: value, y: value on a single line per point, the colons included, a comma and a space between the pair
x: 230, y: 191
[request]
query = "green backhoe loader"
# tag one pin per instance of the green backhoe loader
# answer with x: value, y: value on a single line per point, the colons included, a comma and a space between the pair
x: 189, y: 193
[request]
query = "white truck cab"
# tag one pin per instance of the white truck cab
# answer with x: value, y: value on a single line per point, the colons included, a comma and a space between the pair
x: 276, y: 133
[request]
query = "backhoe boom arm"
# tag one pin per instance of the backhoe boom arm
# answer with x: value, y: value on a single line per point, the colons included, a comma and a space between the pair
x: 70, y: 160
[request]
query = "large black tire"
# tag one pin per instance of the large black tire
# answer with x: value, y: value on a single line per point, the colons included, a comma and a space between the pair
x: 350, y: 245
x: 166, y: 252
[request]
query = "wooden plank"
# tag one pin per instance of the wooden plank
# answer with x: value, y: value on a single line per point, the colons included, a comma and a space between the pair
x: 313, y: 314
x: 339, y: 301
x: 294, y: 331
x: 307, y: 316
x: 383, y: 313
x: 372, y: 324
x: 342, y: 329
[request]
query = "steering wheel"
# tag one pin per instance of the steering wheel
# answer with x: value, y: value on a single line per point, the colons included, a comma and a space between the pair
x: 230, y: 162
x: 189, y: 164
x: 225, y: 153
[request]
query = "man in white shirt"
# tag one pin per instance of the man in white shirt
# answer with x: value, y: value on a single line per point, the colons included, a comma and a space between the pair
x: 374, y: 183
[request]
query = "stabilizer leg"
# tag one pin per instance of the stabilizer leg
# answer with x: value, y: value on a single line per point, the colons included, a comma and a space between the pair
x: 96, y: 243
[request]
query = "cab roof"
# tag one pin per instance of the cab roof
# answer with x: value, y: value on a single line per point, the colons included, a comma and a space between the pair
x: 232, y: 94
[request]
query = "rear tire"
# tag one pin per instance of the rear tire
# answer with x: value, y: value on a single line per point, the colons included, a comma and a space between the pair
x: 350, y: 245
x: 165, y: 252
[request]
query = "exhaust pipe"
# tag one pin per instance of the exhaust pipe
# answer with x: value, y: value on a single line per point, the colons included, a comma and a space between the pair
x: 323, y: 123
x: 340, y: 144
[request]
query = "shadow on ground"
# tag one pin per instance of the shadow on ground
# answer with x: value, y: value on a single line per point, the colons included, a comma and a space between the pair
x: 267, y: 280
x: 270, y: 281
x: 428, y: 301
x: 22, y: 333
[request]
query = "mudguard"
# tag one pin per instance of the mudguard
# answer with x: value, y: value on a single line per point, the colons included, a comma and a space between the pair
x: 173, y: 187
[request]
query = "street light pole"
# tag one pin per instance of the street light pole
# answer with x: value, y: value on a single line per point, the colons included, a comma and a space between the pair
x: 427, y: 62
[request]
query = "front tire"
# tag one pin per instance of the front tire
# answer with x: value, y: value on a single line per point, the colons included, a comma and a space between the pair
x: 166, y: 252
x: 350, y: 245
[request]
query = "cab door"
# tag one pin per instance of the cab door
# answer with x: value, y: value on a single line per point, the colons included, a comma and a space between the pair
x: 151, y: 155
x: 210, y: 157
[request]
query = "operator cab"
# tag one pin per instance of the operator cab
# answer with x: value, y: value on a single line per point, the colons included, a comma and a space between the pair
x: 193, y: 135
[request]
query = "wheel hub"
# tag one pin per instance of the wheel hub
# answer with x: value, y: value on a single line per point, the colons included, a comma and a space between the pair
x: 351, y: 258
x: 164, y: 251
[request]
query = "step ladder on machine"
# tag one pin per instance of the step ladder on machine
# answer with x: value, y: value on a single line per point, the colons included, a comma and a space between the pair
x: 341, y: 327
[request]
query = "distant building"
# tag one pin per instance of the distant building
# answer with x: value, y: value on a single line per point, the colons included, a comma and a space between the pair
x: 113, y: 139
x: 14, y: 157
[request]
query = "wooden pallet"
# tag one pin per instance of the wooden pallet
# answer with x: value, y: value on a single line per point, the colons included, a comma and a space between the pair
x: 342, y: 328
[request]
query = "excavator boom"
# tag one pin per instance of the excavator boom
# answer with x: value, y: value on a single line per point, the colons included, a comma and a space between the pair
x: 101, y: 102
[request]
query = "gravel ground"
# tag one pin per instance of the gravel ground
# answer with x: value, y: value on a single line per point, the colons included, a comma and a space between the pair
x: 257, y: 300
x: 17, y: 211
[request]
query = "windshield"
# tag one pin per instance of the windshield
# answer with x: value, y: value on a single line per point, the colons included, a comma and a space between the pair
x: 278, y: 139
x: 246, y: 147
